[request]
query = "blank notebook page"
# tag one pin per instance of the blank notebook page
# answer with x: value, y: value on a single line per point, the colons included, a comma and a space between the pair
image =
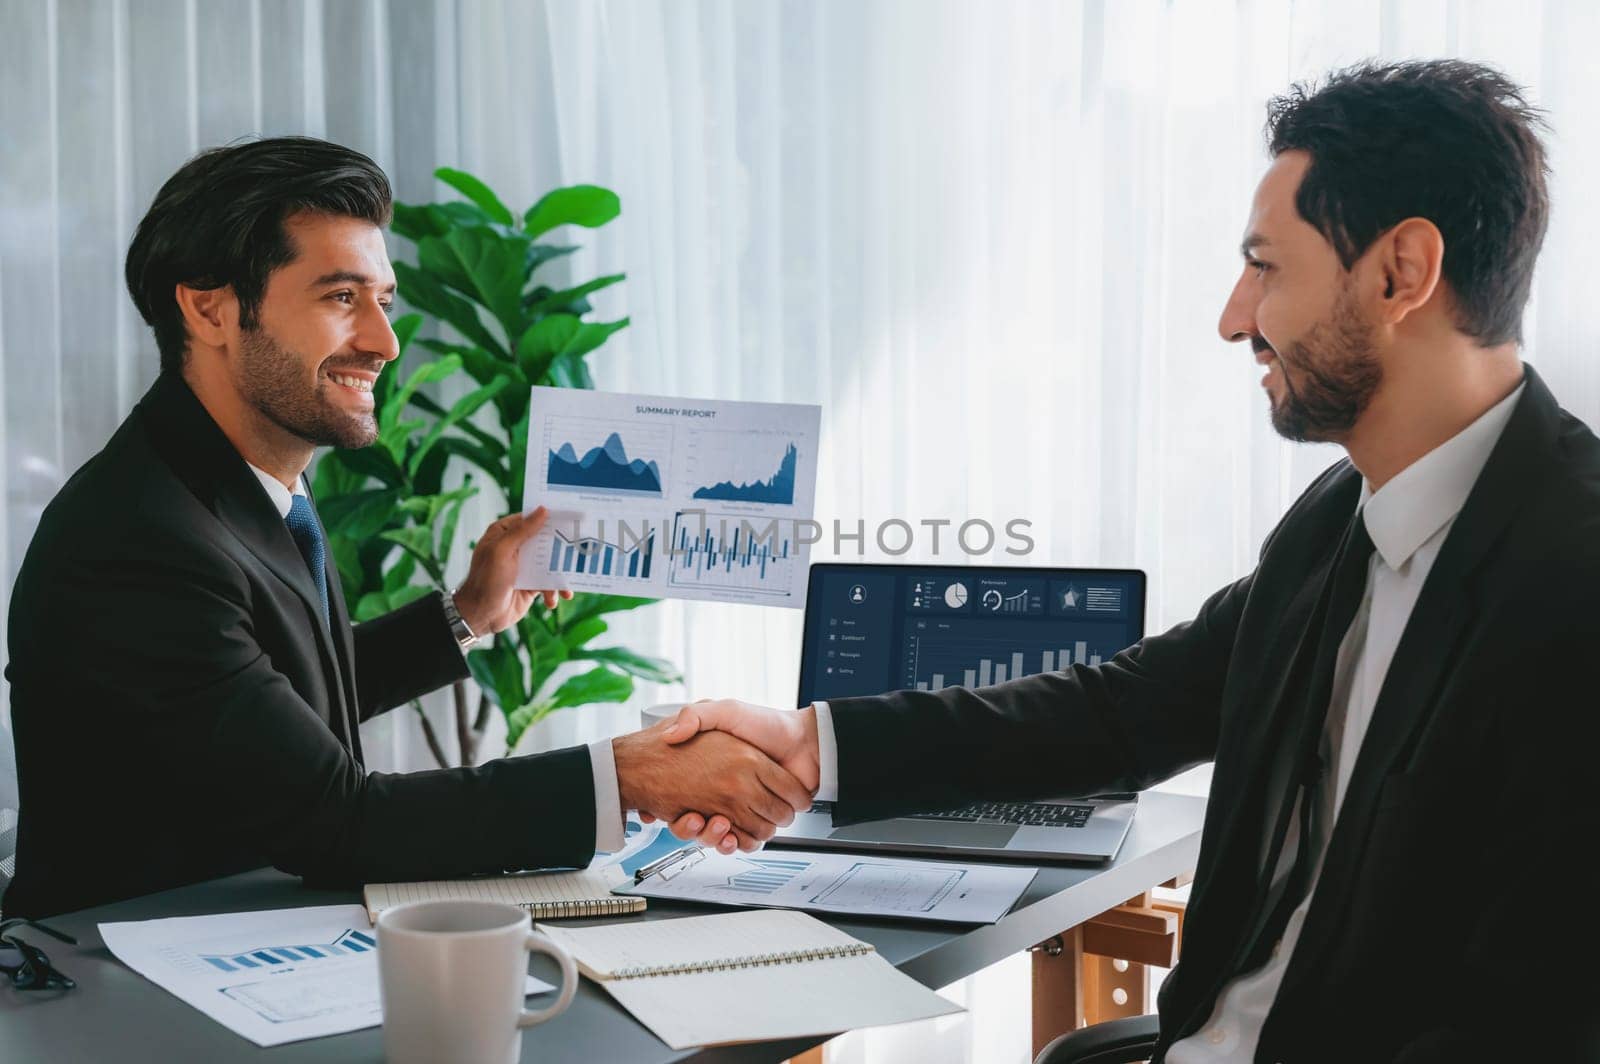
x: 698, y: 941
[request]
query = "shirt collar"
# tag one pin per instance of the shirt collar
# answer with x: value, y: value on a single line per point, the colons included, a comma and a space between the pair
x: 281, y: 496
x: 1427, y: 494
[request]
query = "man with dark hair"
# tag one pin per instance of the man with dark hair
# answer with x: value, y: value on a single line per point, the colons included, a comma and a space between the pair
x: 186, y: 685
x: 1398, y: 699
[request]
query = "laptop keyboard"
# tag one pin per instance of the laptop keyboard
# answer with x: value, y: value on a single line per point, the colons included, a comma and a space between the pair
x: 1022, y: 814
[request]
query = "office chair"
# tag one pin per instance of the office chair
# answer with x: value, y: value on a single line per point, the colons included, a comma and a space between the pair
x: 1124, y: 1041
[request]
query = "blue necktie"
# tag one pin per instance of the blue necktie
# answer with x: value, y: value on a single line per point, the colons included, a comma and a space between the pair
x: 307, y: 535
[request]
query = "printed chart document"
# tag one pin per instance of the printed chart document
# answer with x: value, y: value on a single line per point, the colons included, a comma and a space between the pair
x: 671, y: 498
x: 274, y: 977
x: 746, y: 977
x: 844, y: 883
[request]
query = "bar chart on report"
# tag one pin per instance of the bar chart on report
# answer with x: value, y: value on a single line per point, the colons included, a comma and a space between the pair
x: 351, y: 941
x: 734, y: 551
x: 632, y: 557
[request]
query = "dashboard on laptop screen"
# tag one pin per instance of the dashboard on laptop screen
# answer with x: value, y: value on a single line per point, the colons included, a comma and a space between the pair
x: 875, y: 628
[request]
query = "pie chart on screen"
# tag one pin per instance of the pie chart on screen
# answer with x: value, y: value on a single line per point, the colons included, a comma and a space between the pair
x: 955, y: 596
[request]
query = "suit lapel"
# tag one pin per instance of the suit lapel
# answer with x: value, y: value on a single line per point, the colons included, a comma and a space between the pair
x: 206, y: 460
x: 1427, y: 648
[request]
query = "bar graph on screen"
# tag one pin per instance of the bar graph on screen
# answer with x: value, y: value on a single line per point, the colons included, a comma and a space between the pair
x: 946, y: 659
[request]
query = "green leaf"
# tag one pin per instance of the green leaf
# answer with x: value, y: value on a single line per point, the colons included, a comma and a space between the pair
x: 483, y: 264
x: 335, y: 477
x: 405, y: 329
x: 517, y: 462
x: 568, y: 371
x: 399, y: 574
x: 476, y: 191
x: 575, y: 635
x: 359, y: 514
x: 436, y: 370
x: 586, y: 205
x: 425, y: 292
x: 539, y: 254
x: 483, y: 366
x: 464, y: 407
x: 599, y: 684
x: 590, y: 335
x: 447, y: 531
x: 555, y: 302
x: 375, y: 462
x: 590, y: 604
x: 427, y: 404
x: 417, y: 541
x: 498, y: 670
x: 416, y: 222
x: 409, y: 594
x: 656, y: 670
x: 543, y: 341
x: 372, y: 604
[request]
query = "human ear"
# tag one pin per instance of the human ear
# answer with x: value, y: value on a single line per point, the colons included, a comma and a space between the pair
x: 1411, y: 258
x: 211, y: 314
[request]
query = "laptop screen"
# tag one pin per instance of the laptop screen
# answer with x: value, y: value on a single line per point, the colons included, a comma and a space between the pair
x: 876, y: 628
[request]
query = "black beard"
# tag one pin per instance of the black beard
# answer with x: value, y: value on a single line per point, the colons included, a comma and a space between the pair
x: 270, y: 381
x: 1339, y: 374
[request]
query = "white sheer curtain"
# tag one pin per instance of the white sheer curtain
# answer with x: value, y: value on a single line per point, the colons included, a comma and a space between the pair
x: 992, y: 240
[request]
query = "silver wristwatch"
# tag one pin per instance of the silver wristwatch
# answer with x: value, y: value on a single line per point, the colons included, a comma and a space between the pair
x: 464, y: 635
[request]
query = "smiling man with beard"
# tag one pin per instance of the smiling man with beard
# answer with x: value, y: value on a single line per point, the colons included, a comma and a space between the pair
x: 186, y: 685
x: 1399, y: 699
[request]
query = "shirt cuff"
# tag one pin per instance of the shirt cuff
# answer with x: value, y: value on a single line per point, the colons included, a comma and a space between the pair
x: 608, y: 828
x: 827, y: 755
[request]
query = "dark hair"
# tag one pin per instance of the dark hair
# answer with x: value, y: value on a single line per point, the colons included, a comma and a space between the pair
x: 1446, y: 140
x: 218, y: 222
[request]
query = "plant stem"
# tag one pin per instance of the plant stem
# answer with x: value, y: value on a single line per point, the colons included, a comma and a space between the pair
x: 428, y: 734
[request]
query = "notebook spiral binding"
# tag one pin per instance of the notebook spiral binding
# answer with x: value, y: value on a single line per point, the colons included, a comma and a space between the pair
x: 561, y: 910
x: 754, y: 960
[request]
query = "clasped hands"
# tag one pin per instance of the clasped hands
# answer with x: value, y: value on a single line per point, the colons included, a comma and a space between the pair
x: 727, y: 774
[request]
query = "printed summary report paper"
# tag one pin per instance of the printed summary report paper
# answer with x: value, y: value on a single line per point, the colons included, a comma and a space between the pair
x: 671, y: 498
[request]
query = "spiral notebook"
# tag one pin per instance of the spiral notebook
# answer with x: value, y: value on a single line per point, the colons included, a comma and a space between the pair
x: 546, y: 895
x: 746, y: 977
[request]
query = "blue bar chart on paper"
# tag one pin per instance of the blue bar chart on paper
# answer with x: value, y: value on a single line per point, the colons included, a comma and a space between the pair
x: 670, y: 497
x: 270, y: 956
x: 727, y: 550
x: 631, y: 557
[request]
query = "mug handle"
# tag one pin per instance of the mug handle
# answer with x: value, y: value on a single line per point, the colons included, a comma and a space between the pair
x: 537, y: 943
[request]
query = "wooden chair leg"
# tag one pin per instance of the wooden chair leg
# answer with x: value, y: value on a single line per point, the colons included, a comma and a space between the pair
x: 1058, y: 991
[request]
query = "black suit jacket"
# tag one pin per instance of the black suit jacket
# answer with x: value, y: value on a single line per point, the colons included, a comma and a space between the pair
x: 1437, y: 925
x: 181, y: 711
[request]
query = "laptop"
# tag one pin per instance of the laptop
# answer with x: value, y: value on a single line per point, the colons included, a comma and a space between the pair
x: 871, y: 628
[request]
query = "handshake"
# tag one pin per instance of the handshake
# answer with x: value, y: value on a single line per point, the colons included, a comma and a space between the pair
x: 727, y: 774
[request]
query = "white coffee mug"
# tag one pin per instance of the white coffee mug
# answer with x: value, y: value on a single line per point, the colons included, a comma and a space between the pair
x: 650, y: 716
x: 453, y: 978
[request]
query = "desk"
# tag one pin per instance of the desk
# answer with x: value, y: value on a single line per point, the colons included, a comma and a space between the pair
x: 118, y: 1015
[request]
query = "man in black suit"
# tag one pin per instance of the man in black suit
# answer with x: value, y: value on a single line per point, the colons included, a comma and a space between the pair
x: 186, y: 685
x: 1399, y: 700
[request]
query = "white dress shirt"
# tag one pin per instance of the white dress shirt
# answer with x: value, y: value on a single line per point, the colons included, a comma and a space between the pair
x: 608, y: 829
x: 1408, y: 520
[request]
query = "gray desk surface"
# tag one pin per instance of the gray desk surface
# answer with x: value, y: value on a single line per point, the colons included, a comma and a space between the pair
x: 117, y: 1015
